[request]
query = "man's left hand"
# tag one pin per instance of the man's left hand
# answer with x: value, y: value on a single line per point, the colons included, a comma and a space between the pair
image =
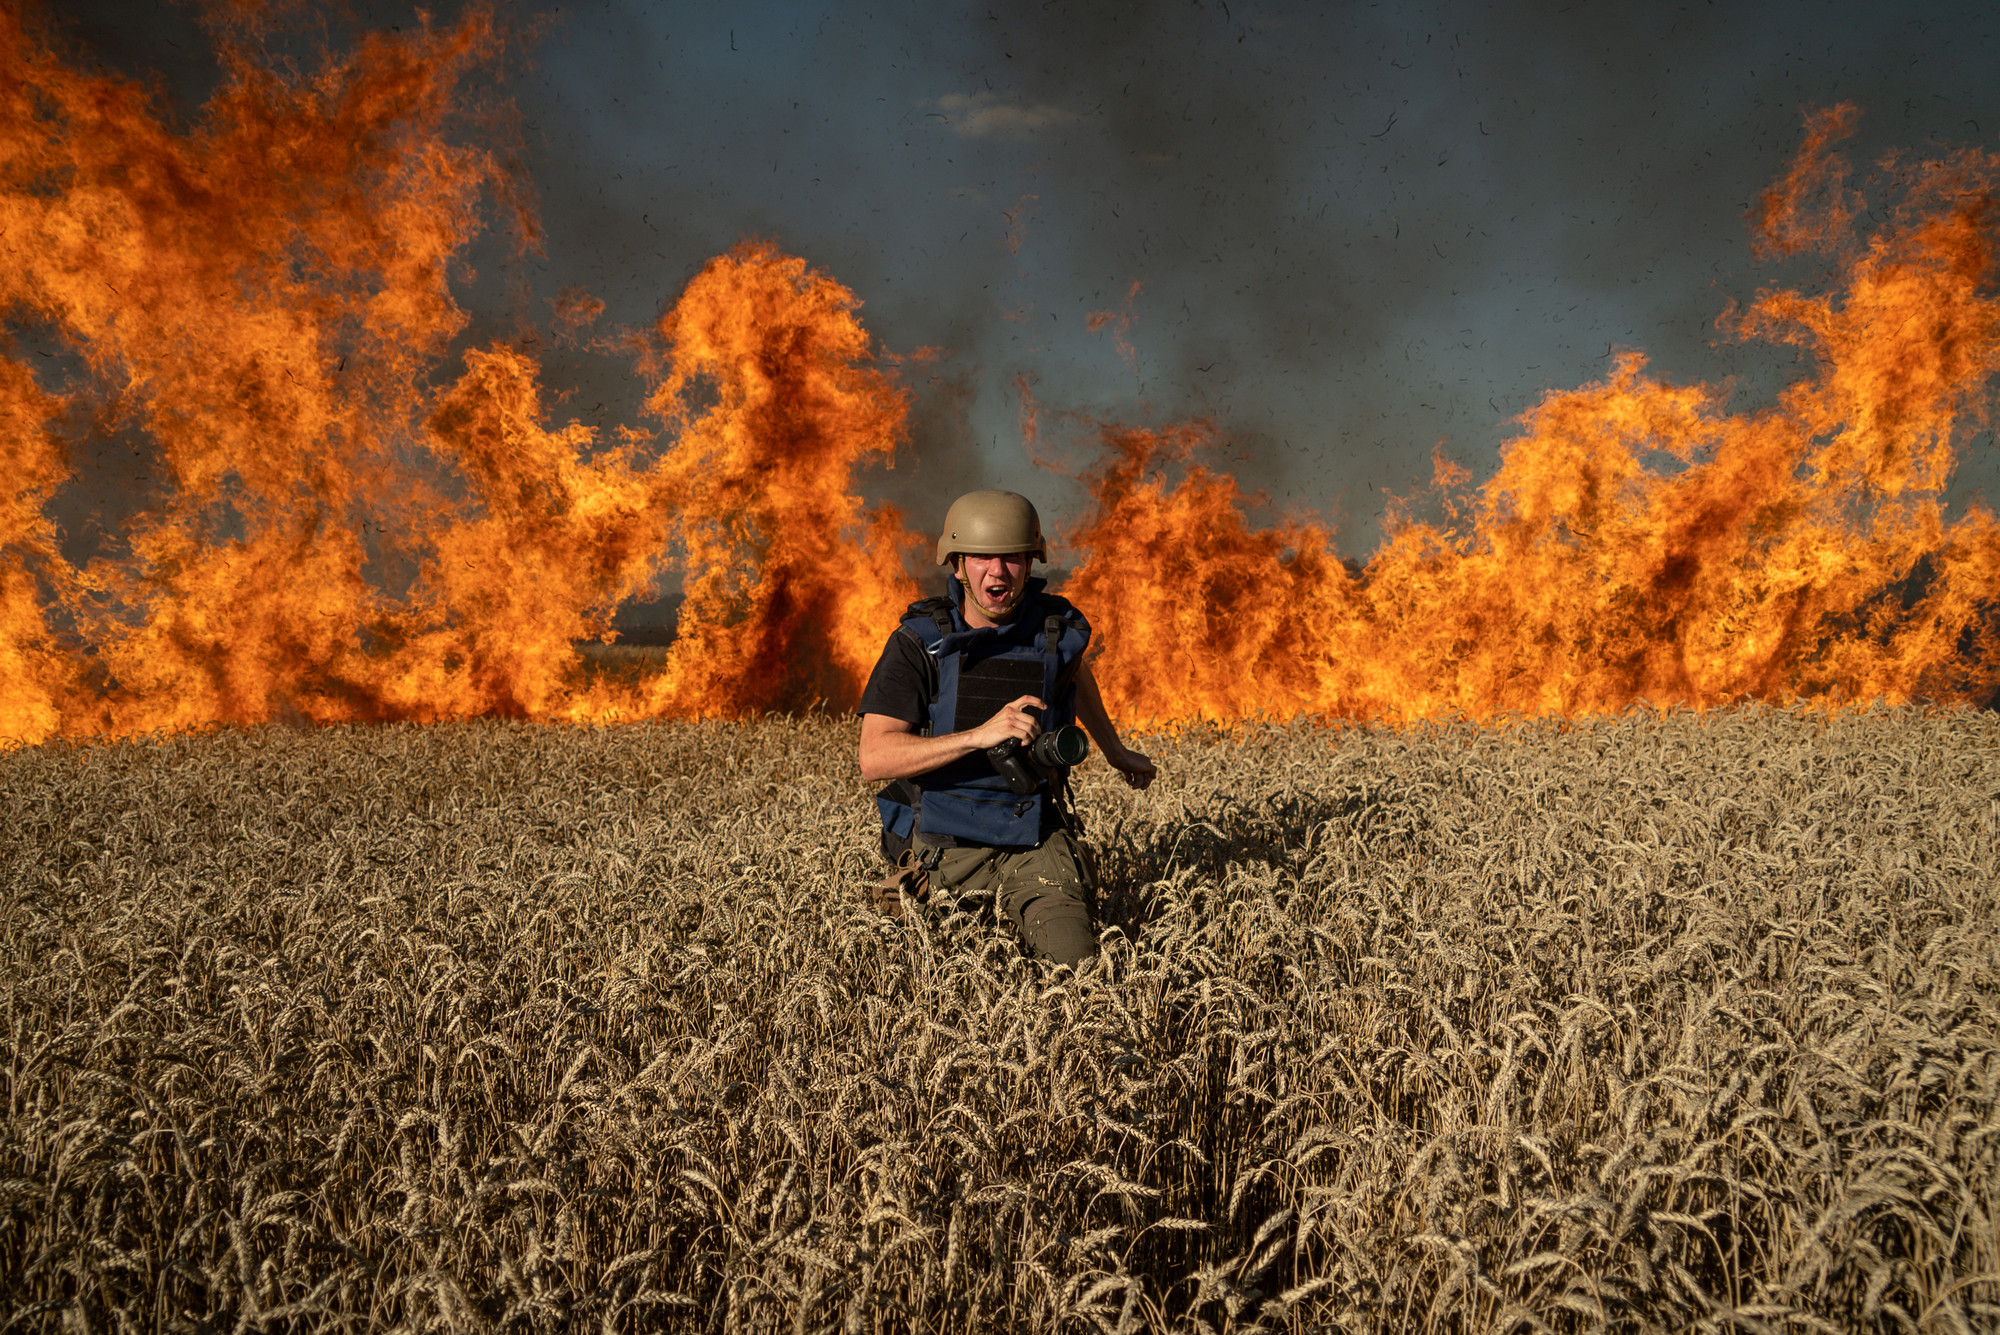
x: 1135, y: 769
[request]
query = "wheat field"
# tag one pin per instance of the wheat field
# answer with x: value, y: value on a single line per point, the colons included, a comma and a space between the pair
x: 1659, y: 1021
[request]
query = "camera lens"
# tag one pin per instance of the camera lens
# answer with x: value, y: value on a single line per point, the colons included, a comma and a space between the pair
x: 1066, y: 746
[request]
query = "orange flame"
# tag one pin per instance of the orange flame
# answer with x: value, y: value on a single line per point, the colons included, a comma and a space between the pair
x: 257, y: 302
x: 34, y: 677
x: 786, y: 604
x: 259, y: 307
x: 261, y: 303
x: 1799, y: 551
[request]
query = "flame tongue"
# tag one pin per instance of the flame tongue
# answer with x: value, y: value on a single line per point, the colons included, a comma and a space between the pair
x: 35, y: 680
x: 791, y: 586
x: 1802, y: 550
x: 264, y: 301
x: 258, y: 301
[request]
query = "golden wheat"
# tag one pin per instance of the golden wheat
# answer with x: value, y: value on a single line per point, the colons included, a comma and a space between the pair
x: 1656, y: 1021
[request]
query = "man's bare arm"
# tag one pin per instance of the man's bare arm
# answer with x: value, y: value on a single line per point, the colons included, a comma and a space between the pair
x: 1133, y: 767
x: 892, y: 748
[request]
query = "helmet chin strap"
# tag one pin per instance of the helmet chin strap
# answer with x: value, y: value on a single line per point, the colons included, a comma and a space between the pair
x: 1000, y: 616
x: 977, y: 598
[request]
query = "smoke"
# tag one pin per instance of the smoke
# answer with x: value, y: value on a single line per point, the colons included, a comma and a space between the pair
x: 1362, y: 235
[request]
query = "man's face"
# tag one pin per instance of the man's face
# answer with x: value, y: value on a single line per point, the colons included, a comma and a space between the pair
x: 994, y: 585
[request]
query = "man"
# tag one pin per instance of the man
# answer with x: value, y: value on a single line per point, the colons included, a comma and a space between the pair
x: 995, y: 661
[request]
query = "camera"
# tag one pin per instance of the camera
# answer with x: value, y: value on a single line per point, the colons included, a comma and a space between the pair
x: 1024, y: 768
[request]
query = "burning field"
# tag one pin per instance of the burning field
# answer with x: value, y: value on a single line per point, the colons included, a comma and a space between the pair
x: 1581, y: 913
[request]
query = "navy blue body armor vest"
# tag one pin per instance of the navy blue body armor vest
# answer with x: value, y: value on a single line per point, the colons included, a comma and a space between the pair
x: 980, y: 670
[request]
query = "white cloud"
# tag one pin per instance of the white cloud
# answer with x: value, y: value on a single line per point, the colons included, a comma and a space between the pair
x: 985, y: 116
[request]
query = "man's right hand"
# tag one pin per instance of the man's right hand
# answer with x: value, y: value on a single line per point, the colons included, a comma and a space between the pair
x: 892, y: 749
x: 1013, y: 721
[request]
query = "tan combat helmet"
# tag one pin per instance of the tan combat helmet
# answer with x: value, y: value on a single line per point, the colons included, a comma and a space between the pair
x: 991, y: 523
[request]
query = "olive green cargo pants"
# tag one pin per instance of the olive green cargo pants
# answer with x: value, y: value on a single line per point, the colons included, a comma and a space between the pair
x: 1041, y: 891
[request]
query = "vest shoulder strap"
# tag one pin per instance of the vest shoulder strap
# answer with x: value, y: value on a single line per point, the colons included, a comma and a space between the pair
x: 1058, y: 616
x: 1059, y: 609
x: 929, y: 620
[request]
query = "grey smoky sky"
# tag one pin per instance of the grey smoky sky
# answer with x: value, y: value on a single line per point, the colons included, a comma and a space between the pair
x: 1356, y: 231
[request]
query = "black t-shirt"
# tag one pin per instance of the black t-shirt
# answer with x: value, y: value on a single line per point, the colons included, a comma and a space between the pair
x: 903, y: 684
